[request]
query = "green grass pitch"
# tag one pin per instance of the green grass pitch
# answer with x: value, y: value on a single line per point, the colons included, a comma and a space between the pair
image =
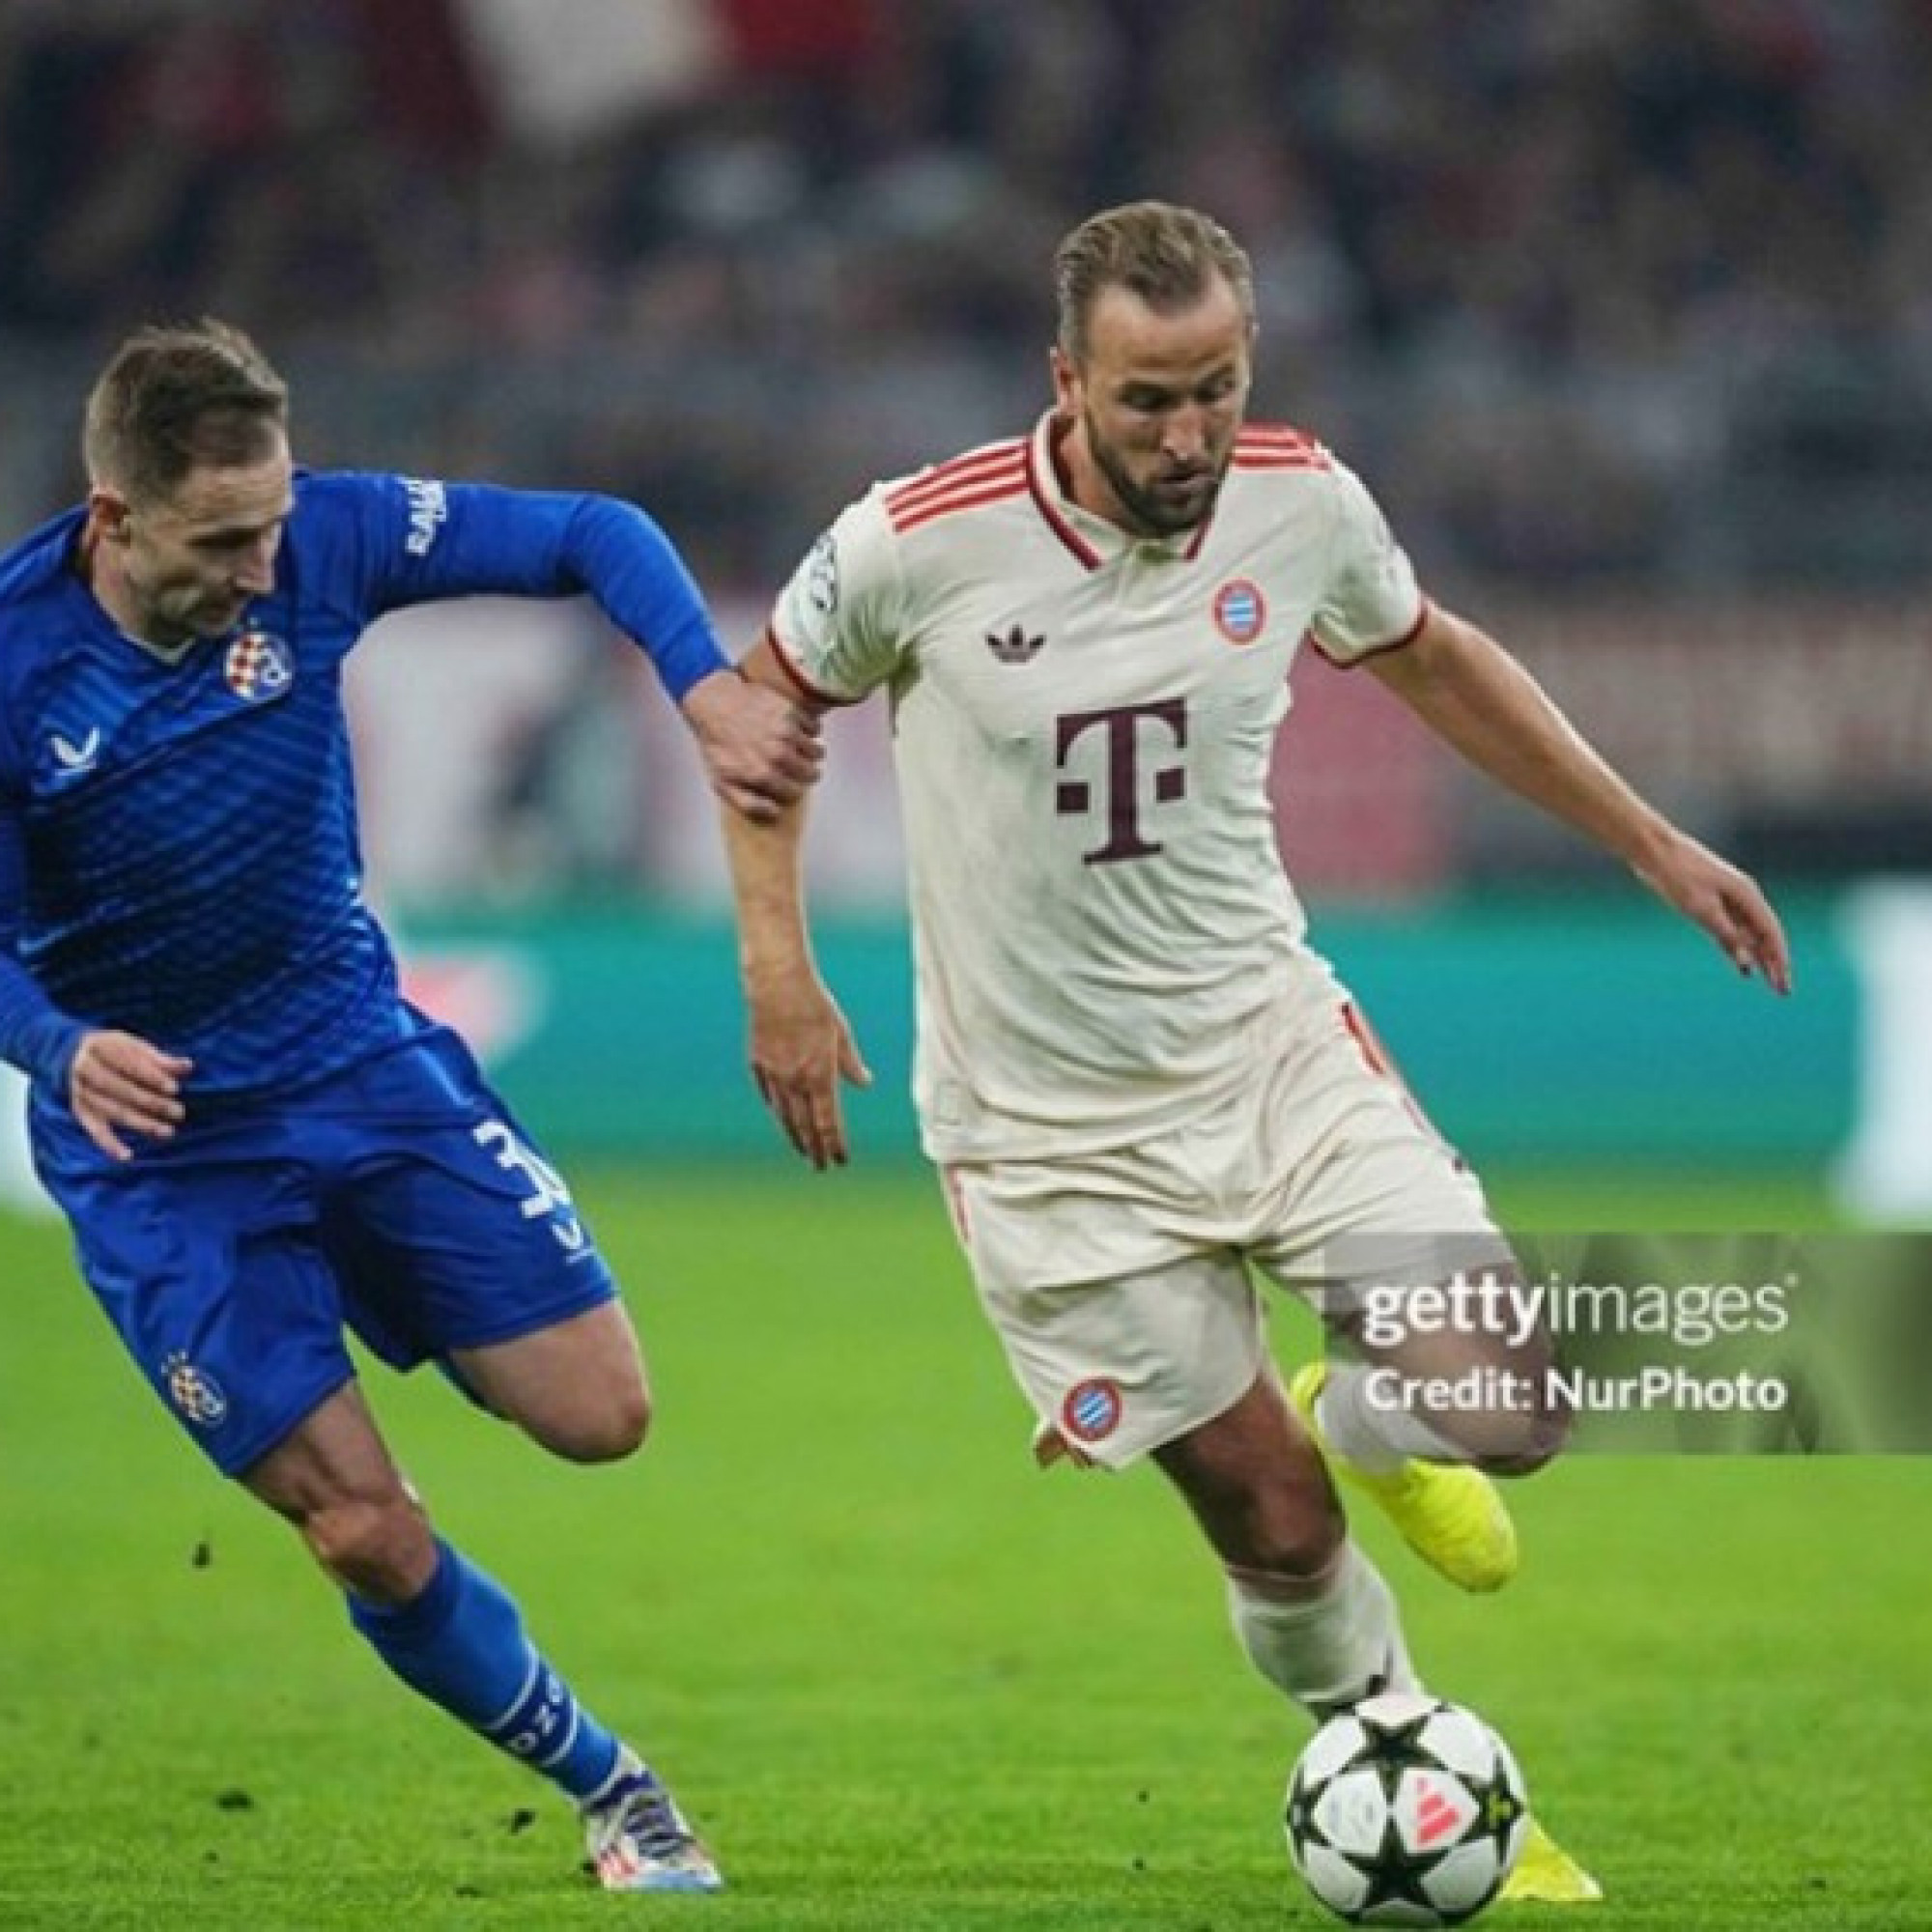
x: 902, y: 1680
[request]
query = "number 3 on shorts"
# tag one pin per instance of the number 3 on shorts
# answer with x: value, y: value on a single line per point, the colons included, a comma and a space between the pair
x: 548, y: 1194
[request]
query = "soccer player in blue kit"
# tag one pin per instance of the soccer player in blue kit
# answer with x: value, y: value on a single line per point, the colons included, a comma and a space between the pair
x: 256, y: 1140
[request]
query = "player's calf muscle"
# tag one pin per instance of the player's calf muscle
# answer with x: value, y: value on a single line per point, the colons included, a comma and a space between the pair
x: 379, y: 1547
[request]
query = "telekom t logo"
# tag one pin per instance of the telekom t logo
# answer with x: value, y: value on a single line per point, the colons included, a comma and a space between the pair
x: 1122, y: 726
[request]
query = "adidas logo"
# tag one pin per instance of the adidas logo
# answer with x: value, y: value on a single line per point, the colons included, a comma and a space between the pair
x: 1435, y: 1816
x: 1016, y: 647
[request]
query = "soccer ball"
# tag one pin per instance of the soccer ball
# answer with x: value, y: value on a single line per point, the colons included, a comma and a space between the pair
x: 1406, y: 1811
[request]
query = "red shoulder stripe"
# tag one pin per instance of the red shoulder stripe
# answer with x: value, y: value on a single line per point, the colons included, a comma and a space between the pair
x: 945, y: 477
x: 904, y: 502
x: 1277, y: 445
x: 1278, y: 433
x: 994, y: 490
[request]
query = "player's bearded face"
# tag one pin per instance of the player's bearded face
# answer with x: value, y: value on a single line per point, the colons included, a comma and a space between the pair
x: 1157, y: 400
x: 193, y: 561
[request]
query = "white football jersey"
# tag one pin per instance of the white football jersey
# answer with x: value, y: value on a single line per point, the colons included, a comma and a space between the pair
x: 1082, y: 722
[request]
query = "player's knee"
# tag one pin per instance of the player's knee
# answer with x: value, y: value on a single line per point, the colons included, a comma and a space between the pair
x: 1543, y: 1442
x: 1518, y: 1441
x: 379, y: 1548
x: 604, y: 1431
x: 1290, y: 1548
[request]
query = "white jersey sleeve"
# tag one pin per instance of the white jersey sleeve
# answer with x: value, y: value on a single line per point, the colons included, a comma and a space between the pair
x: 840, y: 624
x: 1371, y: 599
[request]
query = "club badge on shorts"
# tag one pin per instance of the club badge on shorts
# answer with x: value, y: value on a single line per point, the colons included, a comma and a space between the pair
x: 257, y: 665
x: 193, y: 1391
x: 1090, y: 1411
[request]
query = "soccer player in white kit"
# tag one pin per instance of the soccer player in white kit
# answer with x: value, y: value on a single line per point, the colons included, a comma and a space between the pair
x: 1140, y: 1085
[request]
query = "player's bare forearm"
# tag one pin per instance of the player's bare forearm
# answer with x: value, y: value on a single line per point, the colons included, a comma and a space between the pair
x: 801, y: 1047
x: 766, y: 855
x: 1480, y: 700
x: 760, y: 750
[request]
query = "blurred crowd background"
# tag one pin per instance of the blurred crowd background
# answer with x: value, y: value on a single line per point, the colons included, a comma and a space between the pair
x: 1623, y: 306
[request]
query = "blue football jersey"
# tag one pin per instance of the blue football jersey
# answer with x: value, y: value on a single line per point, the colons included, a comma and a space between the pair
x: 179, y: 851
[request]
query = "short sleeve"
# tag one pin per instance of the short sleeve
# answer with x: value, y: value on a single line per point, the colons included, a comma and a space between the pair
x: 1372, y: 600
x: 841, y: 622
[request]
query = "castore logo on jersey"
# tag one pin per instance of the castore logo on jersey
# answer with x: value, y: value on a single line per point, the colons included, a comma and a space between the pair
x: 72, y: 760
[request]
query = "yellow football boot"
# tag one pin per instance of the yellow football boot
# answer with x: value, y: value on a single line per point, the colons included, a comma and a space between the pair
x: 1545, y: 1874
x: 1450, y: 1514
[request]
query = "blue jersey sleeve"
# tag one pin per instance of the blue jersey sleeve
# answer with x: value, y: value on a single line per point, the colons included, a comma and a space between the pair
x: 422, y: 541
x: 35, y: 1035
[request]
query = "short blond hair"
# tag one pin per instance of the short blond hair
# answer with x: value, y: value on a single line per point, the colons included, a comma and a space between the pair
x: 1167, y: 256
x: 172, y: 397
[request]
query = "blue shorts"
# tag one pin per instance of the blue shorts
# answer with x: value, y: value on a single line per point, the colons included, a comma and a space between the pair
x: 398, y: 1197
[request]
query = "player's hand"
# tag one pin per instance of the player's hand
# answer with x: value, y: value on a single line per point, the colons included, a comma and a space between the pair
x: 801, y: 1049
x: 1726, y: 903
x: 760, y: 749
x: 119, y: 1083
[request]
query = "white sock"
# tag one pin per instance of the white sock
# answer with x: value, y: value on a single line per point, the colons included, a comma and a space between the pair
x: 1376, y: 1436
x: 1329, y: 1649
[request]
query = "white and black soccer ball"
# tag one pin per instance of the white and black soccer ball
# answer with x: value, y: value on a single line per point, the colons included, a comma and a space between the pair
x: 1406, y: 1811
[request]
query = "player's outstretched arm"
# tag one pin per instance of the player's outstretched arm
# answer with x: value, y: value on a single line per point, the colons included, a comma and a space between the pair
x: 760, y: 750
x: 1727, y: 902
x: 1474, y: 695
x: 801, y: 1047
x: 120, y: 1083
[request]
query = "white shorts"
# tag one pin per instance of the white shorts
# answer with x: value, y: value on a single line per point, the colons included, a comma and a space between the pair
x: 1120, y: 1283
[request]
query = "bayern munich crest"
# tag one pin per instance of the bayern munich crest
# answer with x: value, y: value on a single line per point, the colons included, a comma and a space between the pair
x: 1091, y: 1410
x: 193, y: 1391
x: 257, y: 665
x: 1239, y: 611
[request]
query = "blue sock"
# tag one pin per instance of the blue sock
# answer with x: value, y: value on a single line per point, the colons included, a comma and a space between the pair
x: 462, y: 1644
